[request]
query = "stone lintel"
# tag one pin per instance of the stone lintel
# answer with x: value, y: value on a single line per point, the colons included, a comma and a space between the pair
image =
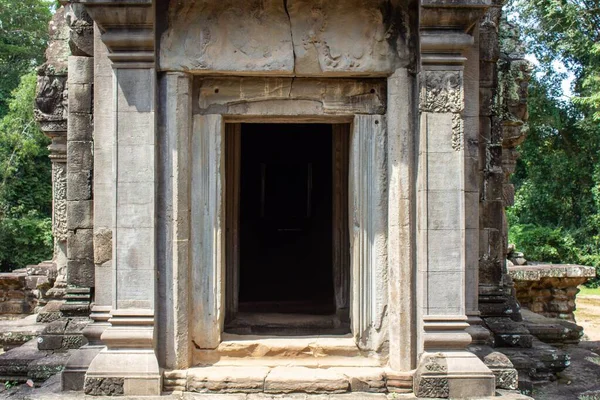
x: 458, y: 15
x: 127, y: 29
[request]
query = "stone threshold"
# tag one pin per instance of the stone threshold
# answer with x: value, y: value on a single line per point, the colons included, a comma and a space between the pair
x: 286, y: 379
x: 280, y: 351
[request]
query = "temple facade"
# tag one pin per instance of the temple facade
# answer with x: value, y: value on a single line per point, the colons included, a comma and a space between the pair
x: 280, y: 195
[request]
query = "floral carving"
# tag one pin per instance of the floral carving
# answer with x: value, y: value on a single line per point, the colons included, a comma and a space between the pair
x: 433, y: 387
x: 59, y: 191
x: 442, y: 91
x: 457, y: 132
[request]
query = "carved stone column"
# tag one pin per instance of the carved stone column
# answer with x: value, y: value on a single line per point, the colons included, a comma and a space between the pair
x: 128, y: 364
x: 51, y: 114
x: 447, y: 237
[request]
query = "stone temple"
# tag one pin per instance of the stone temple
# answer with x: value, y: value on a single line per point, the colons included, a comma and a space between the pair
x: 282, y: 195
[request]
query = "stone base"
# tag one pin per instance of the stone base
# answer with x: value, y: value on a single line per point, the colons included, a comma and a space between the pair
x: 126, y: 371
x: 453, y: 374
x: 73, y: 376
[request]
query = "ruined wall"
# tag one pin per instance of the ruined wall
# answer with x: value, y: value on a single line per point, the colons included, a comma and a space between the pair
x: 64, y: 111
x: 504, y: 75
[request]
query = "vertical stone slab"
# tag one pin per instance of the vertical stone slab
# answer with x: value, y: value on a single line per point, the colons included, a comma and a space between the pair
x: 207, y: 233
x: 401, y: 221
x: 368, y: 231
x: 174, y: 218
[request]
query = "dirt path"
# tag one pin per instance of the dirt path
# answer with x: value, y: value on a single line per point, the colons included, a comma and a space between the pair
x: 588, y: 316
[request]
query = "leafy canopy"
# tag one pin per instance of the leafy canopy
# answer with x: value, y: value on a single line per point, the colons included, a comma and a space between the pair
x: 23, y: 39
x: 556, y: 216
x: 25, y: 183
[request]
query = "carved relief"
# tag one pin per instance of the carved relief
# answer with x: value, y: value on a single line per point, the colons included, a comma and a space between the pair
x: 353, y: 36
x: 227, y: 35
x: 50, y: 103
x: 302, y: 37
x: 433, y: 387
x: 59, y: 190
x: 442, y: 91
x: 457, y: 132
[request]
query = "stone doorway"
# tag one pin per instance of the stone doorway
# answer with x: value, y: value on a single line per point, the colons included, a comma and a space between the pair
x: 287, y: 238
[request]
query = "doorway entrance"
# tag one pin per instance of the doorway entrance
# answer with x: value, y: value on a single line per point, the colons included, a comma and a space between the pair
x: 287, y: 232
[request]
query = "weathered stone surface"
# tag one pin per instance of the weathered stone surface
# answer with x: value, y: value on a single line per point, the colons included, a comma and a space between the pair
x: 550, y: 289
x: 81, y: 272
x: 300, y: 379
x: 357, y: 38
x: 102, y: 245
x: 81, y: 214
x: 227, y: 36
x: 226, y: 379
x: 103, y: 386
x: 339, y: 96
x: 350, y: 37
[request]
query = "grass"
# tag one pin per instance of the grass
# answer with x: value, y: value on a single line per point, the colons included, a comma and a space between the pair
x: 588, y: 291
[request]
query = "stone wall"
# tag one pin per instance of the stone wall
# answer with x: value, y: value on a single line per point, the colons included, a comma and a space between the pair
x: 550, y: 289
x: 23, y: 291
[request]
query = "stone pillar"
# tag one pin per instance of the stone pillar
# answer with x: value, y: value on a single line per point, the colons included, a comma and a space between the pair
x: 51, y: 114
x: 80, y: 266
x: 446, y: 234
x: 128, y: 365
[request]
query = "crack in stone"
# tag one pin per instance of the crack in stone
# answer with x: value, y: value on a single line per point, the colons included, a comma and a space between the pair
x: 285, y: 7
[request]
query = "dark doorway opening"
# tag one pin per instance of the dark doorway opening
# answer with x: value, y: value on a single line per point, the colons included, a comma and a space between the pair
x: 284, y: 190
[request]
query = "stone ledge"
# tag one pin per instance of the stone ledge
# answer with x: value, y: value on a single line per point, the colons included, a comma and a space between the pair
x: 536, y: 272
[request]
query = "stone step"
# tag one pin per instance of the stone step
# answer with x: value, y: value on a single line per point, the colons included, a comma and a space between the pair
x: 319, y: 351
x: 276, y: 380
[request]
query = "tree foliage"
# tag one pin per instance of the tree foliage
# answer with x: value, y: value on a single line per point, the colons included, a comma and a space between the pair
x: 25, y: 183
x: 23, y: 39
x: 556, y: 216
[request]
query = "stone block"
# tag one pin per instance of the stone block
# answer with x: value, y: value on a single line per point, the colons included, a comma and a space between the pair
x: 104, y: 386
x: 136, y: 164
x: 81, y: 127
x: 81, y: 41
x: 80, y: 244
x: 102, y: 245
x: 136, y: 129
x: 15, y: 307
x: 80, y: 156
x: 80, y: 214
x: 50, y: 342
x: 77, y: 325
x: 81, y: 70
x: 43, y: 368
x: 227, y: 379
x: 80, y: 272
x: 73, y: 341
x: 134, y: 90
x: 79, y: 186
x: 56, y: 327
x: 80, y: 97
x: 308, y: 380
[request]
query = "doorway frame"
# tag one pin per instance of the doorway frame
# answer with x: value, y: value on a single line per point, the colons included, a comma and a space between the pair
x: 340, y: 263
x: 197, y: 228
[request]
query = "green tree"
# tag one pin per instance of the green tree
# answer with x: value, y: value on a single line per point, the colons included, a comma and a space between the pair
x: 23, y: 39
x: 25, y: 183
x: 556, y: 216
